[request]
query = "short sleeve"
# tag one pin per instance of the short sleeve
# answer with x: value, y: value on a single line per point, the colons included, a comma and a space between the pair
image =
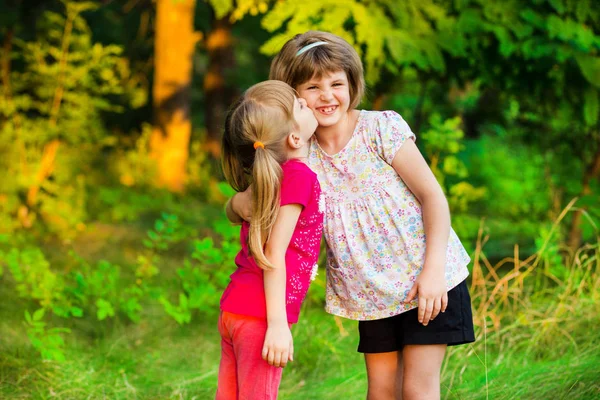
x: 390, y: 131
x: 297, y: 185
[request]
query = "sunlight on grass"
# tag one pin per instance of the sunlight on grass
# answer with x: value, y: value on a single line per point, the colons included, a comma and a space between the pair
x: 536, y: 326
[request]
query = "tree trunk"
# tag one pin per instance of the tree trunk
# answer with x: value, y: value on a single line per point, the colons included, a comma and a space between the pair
x: 174, y: 44
x: 591, y: 172
x: 218, y: 93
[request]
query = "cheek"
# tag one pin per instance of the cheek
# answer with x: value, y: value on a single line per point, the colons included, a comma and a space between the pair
x: 343, y: 93
x: 310, y: 98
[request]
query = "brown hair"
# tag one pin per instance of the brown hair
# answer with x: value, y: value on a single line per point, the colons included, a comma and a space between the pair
x: 336, y: 55
x: 265, y: 113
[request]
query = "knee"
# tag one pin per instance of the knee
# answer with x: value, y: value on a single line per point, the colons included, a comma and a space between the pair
x: 421, y: 388
x: 381, y: 387
x: 380, y: 390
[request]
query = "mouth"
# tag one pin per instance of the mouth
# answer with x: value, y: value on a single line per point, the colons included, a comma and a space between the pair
x: 328, y: 110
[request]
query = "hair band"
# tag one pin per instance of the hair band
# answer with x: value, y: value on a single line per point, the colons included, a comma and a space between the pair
x: 308, y: 47
x: 258, y: 144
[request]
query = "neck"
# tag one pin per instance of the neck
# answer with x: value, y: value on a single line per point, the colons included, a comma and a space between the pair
x: 336, y: 136
x: 300, y: 154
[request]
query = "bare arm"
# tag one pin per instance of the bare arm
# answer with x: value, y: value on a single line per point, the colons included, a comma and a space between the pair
x: 431, y: 284
x: 278, y: 347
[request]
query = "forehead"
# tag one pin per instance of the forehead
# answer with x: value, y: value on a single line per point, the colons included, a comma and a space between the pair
x: 329, y: 76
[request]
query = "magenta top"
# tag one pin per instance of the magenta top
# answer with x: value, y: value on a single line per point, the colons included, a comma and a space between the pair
x: 245, y: 293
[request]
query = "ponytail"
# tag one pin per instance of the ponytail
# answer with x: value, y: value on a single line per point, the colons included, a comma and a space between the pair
x: 266, y: 188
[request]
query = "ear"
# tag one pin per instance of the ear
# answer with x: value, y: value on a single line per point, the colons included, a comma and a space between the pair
x: 294, y: 141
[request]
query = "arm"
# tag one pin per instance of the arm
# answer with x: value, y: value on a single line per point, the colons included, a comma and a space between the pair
x: 279, y: 346
x: 430, y: 284
x: 239, y: 207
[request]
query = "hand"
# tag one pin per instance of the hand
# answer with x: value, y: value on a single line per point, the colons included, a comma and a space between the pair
x: 278, y: 347
x: 432, y: 293
x: 241, y: 204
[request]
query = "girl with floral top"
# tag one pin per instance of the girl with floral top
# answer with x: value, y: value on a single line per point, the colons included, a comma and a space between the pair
x: 393, y: 261
x: 266, y: 143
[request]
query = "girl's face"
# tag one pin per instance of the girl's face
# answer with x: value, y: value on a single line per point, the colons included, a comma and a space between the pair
x: 328, y: 97
x: 305, y: 118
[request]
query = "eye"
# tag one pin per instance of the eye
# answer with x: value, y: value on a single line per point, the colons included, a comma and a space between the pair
x: 311, y: 87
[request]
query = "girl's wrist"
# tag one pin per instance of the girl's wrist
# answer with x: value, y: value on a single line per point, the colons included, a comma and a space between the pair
x: 273, y: 322
x: 436, y: 266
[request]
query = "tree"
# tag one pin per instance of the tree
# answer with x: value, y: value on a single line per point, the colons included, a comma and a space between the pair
x: 174, y: 47
x: 52, y: 102
x: 219, y: 88
x: 542, y: 60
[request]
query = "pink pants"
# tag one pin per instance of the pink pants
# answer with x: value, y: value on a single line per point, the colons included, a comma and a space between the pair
x: 243, y: 374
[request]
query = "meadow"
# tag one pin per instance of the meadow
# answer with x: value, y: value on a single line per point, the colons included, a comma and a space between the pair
x: 536, y: 327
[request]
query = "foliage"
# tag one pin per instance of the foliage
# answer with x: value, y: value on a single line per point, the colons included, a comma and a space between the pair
x: 504, y: 95
x: 205, y: 276
x: 530, y: 329
x: 55, y: 98
x: 408, y: 33
x: 442, y: 145
x: 47, y: 341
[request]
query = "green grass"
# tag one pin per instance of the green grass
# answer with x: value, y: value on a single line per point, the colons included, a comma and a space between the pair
x: 537, y: 345
x: 156, y: 359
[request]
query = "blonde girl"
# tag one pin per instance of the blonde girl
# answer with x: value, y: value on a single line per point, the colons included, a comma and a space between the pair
x: 265, y: 143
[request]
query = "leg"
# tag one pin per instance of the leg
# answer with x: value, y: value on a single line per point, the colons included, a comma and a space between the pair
x: 384, y: 374
x: 422, y: 365
x: 381, y: 342
x: 227, y: 380
x: 256, y: 379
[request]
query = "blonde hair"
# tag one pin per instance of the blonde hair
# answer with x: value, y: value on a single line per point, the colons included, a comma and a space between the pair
x: 265, y: 114
x: 336, y: 55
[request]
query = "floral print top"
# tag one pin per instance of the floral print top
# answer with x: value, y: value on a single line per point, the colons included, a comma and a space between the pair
x: 373, y: 223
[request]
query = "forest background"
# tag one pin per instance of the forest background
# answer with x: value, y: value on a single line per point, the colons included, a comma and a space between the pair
x: 114, y: 248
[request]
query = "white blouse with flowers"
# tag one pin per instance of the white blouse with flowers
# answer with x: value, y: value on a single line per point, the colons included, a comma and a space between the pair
x: 373, y: 223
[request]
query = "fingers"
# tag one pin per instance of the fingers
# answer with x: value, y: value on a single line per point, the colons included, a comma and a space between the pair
x: 284, y: 359
x: 278, y: 358
x: 265, y: 352
x: 429, y: 304
x: 437, y: 307
x: 431, y: 308
x: 444, y: 302
x: 271, y: 357
x: 421, y: 311
x: 411, y: 295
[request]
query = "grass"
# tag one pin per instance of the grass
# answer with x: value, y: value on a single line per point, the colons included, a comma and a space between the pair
x: 537, y: 338
x: 159, y: 360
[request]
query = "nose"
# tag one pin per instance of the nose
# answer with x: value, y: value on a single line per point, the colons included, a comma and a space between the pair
x: 326, y: 93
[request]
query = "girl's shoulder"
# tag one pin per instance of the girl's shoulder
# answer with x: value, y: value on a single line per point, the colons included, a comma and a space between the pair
x: 294, y: 166
x: 370, y: 117
x: 374, y: 122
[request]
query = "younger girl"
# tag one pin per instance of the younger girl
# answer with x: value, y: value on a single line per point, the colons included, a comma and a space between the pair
x: 266, y: 143
x: 393, y: 261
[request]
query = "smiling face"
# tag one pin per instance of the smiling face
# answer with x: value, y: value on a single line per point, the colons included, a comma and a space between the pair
x: 305, y: 118
x: 328, y: 96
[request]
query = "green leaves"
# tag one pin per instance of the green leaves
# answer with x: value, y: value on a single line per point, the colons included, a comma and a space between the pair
x: 105, y: 309
x: 167, y: 230
x: 590, y: 68
x: 377, y: 29
x: 221, y: 7
x: 591, y: 107
x: 48, y: 342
